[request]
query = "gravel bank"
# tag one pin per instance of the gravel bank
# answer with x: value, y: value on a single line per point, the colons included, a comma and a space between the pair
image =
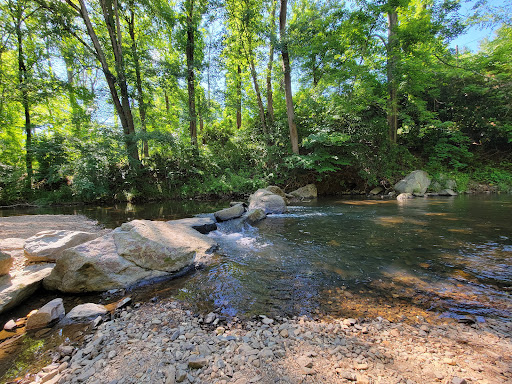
x: 166, y: 343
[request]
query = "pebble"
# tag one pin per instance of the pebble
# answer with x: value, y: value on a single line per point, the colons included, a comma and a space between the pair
x: 178, y: 347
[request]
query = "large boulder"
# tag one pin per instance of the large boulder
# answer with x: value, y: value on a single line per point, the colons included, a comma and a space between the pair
x: 276, y: 190
x: 267, y: 201
x: 230, y: 213
x: 47, y: 314
x: 161, y: 246
x: 95, y: 266
x: 5, y: 263
x: 22, y: 284
x: 136, y: 251
x: 307, y: 192
x: 49, y: 245
x: 416, y: 182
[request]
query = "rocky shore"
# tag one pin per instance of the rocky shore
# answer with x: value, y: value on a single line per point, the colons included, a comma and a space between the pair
x: 166, y: 343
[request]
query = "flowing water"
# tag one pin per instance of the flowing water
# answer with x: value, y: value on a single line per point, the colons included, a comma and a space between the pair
x: 430, y: 257
x: 449, y: 256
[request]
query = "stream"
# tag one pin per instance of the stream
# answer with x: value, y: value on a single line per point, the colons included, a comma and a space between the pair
x: 437, y: 258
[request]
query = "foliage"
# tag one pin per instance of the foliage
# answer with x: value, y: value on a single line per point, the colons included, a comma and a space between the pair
x: 65, y: 110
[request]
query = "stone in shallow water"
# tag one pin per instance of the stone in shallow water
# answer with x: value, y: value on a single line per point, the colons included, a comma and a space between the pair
x: 230, y: 213
x: 50, y: 312
x: 267, y: 201
x: 85, y: 312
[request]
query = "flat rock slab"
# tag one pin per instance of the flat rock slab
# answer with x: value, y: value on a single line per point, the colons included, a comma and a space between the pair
x: 29, y: 225
x: 157, y: 245
x: 48, y: 245
x: 11, y: 244
x: 85, y: 312
x: 15, y: 289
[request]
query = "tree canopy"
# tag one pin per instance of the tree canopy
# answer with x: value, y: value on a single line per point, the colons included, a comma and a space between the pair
x: 106, y: 100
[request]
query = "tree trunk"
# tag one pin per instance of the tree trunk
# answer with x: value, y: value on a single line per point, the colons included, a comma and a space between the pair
x: 294, y: 137
x: 261, y: 108
x: 138, y: 79
x: 239, y: 97
x: 392, y: 113
x: 22, y: 79
x: 190, y: 73
x: 76, y: 114
x: 122, y: 105
x: 270, y: 96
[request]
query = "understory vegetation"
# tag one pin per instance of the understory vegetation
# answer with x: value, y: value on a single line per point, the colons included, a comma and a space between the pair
x: 135, y: 100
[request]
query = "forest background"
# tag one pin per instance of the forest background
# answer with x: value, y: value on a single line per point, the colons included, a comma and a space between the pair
x: 113, y: 100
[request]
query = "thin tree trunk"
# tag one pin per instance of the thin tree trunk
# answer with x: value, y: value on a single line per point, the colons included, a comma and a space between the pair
x: 261, y: 108
x: 392, y: 115
x: 138, y: 79
x: 122, y: 105
x: 167, y: 104
x: 239, y: 97
x: 22, y: 79
x: 75, y: 107
x: 270, y: 96
x: 294, y: 137
x: 190, y: 73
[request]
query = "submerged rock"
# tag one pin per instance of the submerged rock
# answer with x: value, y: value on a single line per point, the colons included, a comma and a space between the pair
x: 230, y: 213
x: 415, y: 182
x: 50, y: 312
x: 307, y: 192
x: 17, y: 288
x: 49, y: 245
x: 267, y: 201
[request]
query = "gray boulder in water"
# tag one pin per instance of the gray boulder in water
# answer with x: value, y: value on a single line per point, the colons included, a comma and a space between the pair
x: 416, y: 182
x: 267, y: 201
x: 230, y: 213
x: 306, y: 192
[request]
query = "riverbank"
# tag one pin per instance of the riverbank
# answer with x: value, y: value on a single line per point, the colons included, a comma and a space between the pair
x: 167, y: 343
